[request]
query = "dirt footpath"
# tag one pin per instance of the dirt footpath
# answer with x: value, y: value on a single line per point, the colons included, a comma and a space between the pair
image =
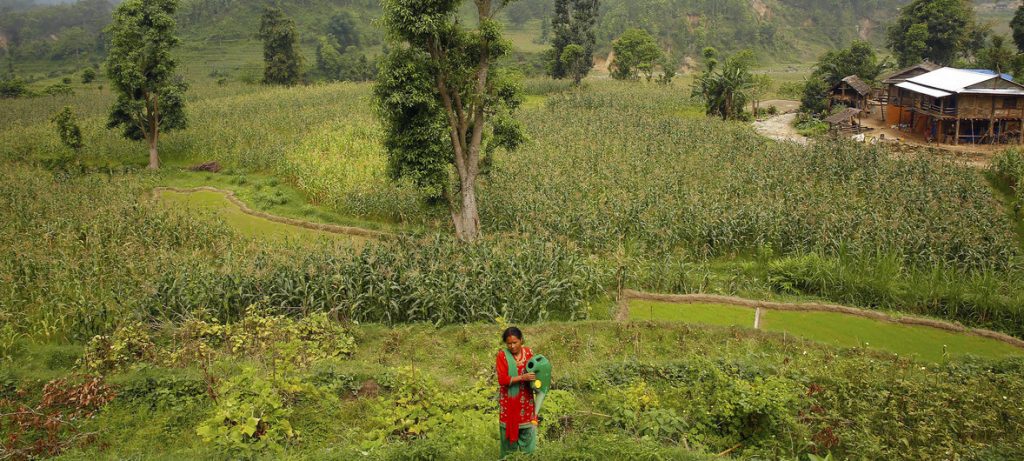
x: 780, y: 128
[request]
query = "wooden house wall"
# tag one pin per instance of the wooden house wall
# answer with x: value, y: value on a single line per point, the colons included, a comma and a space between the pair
x: 978, y: 106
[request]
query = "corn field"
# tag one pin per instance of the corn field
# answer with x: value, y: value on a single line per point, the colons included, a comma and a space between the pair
x: 619, y: 184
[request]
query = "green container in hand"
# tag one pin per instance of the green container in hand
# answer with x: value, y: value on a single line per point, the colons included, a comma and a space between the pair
x: 540, y: 366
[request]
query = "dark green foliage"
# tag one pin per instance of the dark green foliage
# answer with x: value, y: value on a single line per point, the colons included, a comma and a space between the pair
x: 67, y: 128
x: 440, y: 80
x: 937, y: 30
x: 352, y: 65
x: 88, y: 75
x: 141, y: 68
x: 998, y: 56
x: 1017, y: 26
x: 859, y: 59
x: 414, y: 121
x: 725, y: 92
x: 12, y: 87
x: 814, y: 99
x: 280, y: 51
x: 636, y: 54
x: 576, y: 62
x: 573, y: 24
x: 344, y: 30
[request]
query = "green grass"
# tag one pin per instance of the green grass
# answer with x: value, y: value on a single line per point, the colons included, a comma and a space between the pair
x: 703, y: 314
x: 848, y: 331
x: 924, y: 343
x: 266, y: 193
x: 244, y: 224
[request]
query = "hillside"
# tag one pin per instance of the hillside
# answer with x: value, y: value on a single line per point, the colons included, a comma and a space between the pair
x: 218, y: 35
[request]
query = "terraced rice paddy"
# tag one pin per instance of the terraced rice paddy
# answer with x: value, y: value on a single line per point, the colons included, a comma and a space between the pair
x: 926, y: 343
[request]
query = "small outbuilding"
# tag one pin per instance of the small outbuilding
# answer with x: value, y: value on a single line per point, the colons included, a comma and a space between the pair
x: 851, y: 92
x: 847, y: 120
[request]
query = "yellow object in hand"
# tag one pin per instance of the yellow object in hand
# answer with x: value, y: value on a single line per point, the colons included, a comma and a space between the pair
x: 537, y: 384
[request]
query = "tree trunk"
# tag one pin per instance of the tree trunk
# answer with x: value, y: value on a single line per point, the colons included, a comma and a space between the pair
x: 154, y: 134
x: 467, y: 216
x: 154, y: 159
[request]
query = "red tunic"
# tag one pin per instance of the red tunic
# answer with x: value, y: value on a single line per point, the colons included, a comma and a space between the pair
x: 518, y: 410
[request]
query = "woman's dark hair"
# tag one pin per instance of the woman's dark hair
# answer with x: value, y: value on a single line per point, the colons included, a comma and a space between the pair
x: 511, y: 331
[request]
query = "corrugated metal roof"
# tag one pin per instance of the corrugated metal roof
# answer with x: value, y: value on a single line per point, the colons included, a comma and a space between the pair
x: 993, y: 73
x: 949, y: 79
x: 923, y: 90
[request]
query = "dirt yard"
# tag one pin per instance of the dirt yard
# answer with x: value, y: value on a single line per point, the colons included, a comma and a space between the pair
x: 780, y: 128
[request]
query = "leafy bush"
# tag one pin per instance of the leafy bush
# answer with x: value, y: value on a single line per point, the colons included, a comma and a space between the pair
x: 127, y: 345
x: 250, y: 417
x: 810, y: 126
x: 12, y: 88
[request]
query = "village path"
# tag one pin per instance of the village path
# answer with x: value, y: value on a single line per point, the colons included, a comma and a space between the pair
x: 780, y: 128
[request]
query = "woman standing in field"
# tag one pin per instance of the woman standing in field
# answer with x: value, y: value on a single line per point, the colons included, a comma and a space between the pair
x: 518, y: 417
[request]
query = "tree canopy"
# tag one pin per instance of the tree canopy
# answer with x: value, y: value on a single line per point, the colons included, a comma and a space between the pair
x: 573, y: 24
x: 280, y: 55
x: 1017, y: 26
x: 636, y: 53
x: 141, y: 69
x: 725, y: 91
x: 937, y: 30
x: 859, y: 59
x: 443, y: 103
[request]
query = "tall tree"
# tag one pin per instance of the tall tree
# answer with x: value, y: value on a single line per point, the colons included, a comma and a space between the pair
x: 636, y: 53
x: 573, y: 24
x: 949, y: 27
x: 280, y: 55
x: 443, y: 103
x: 1017, y: 25
x: 150, y: 97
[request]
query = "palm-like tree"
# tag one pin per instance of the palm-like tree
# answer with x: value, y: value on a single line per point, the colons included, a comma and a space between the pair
x: 726, y: 92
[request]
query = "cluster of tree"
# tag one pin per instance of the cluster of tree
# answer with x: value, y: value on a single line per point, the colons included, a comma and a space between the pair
x: 338, y: 55
x: 638, y: 54
x: 947, y: 32
x: 572, y: 48
x: 859, y: 59
x: 60, y: 31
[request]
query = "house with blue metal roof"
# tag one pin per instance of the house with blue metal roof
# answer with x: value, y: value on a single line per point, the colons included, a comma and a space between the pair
x: 955, y: 106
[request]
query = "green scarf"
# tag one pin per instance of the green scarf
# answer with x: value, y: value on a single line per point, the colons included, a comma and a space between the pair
x: 513, y: 371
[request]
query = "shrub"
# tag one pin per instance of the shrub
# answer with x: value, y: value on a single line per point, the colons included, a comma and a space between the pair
x: 88, y: 75
x: 67, y: 128
x: 250, y: 417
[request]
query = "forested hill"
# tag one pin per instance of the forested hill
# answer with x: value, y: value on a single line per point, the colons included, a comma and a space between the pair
x: 780, y: 30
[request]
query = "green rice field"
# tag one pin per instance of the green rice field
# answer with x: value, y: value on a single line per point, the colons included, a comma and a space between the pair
x: 926, y: 343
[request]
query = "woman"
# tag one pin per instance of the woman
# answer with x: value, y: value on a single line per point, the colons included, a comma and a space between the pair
x: 518, y: 418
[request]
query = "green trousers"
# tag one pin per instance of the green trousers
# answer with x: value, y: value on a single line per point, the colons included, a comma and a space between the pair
x: 527, y: 442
